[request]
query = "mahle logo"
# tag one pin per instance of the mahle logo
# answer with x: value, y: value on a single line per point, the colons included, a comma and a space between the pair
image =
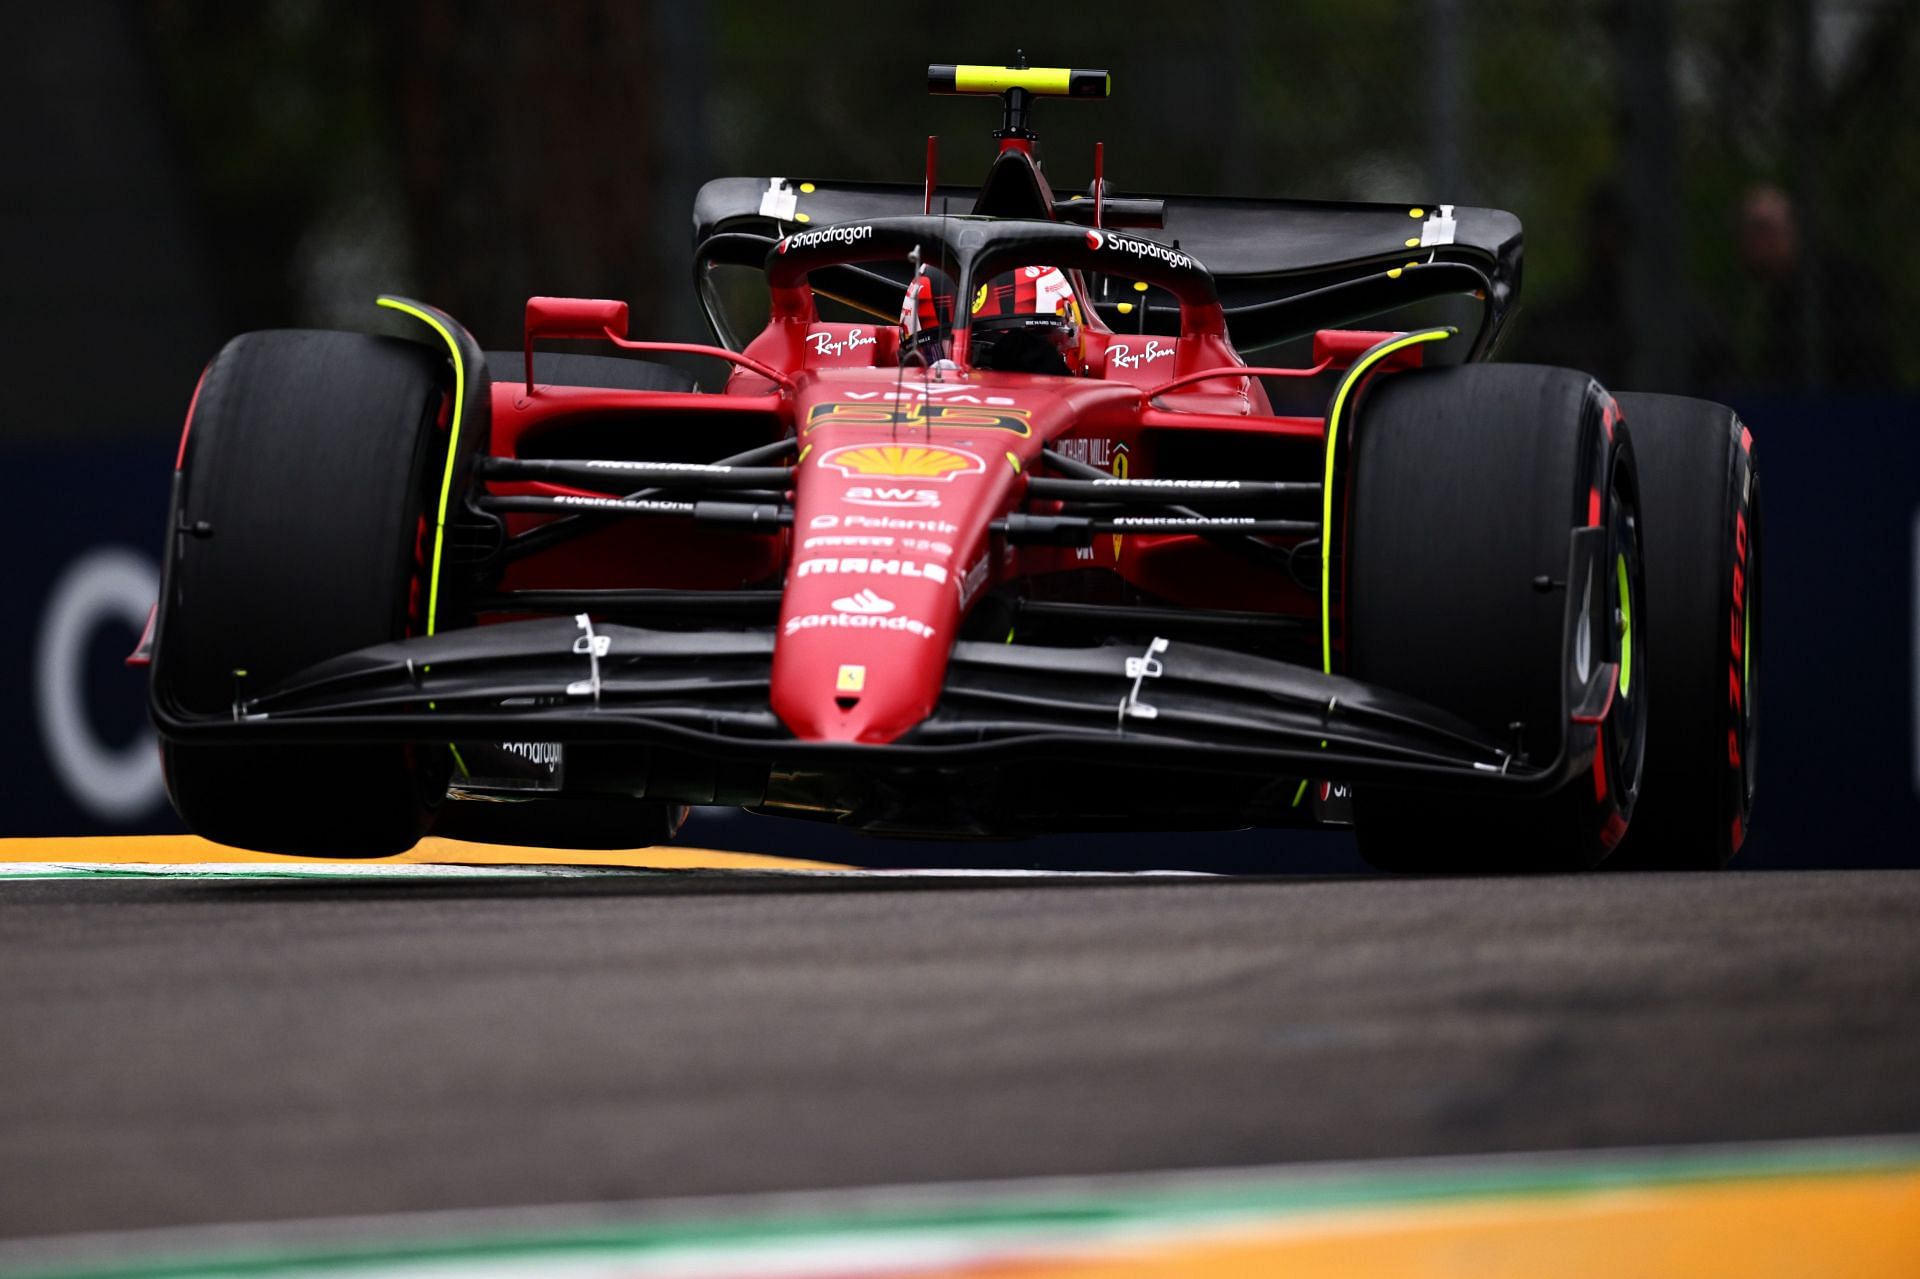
x: 902, y: 461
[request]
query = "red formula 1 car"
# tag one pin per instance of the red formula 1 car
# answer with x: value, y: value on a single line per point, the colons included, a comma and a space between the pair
x: 992, y: 529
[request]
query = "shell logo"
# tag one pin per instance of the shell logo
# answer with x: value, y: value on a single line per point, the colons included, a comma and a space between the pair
x: 902, y: 461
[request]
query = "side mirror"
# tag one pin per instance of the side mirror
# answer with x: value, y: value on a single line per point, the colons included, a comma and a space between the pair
x: 589, y: 318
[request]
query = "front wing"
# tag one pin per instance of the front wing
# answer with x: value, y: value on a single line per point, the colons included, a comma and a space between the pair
x: 1180, y: 709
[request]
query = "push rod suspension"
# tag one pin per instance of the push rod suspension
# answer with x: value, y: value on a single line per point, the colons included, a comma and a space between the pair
x: 574, y: 524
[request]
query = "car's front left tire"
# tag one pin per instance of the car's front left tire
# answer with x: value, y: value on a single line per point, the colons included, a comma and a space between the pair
x: 1467, y: 487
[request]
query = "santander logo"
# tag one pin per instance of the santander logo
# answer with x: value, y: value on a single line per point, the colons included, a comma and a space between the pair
x: 866, y: 602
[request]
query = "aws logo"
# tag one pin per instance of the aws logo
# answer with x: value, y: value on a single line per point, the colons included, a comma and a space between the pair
x: 901, y: 461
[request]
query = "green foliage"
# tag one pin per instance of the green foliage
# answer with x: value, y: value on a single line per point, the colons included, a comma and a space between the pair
x: 287, y: 109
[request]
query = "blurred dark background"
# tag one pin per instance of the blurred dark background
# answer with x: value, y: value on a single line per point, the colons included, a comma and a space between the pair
x: 1719, y: 198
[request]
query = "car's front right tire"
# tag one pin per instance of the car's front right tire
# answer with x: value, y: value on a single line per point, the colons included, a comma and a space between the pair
x: 301, y: 528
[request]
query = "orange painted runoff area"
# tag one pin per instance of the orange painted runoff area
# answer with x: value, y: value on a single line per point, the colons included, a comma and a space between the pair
x: 133, y: 850
x: 1863, y: 1226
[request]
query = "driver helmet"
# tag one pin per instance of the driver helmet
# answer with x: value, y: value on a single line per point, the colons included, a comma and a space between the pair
x: 1028, y: 321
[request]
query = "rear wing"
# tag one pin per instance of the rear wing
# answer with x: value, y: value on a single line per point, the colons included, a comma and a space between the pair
x: 1284, y: 268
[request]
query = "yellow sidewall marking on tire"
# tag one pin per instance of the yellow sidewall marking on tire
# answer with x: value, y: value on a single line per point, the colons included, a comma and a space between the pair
x: 453, y: 447
x: 1626, y: 627
x: 1347, y: 383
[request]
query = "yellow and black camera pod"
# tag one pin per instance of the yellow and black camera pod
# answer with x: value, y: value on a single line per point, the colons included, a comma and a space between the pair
x: 1041, y: 82
x: 1018, y: 86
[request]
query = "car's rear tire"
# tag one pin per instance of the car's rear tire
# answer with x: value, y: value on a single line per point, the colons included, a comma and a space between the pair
x: 1701, y: 497
x: 1466, y: 486
x: 301, y: 527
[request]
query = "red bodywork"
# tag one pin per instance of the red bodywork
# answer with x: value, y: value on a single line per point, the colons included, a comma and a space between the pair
x: 899, y: 477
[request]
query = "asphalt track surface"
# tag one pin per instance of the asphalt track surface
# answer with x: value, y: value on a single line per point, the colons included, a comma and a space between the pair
x: 176, y: 1053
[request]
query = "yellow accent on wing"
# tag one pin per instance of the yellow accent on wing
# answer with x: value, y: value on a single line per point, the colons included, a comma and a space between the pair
x: 453, y: 446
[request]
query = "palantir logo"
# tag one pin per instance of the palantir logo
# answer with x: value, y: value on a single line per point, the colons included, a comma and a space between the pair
x: 864, y: 602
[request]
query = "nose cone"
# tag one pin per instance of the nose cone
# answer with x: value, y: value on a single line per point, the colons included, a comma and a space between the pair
x: 863, y: 666
x: 882, y: 531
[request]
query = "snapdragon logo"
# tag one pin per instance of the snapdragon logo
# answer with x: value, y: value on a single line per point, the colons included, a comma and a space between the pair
x: 1137, y: 248
x: 542, y: 754
x: 827, y: 235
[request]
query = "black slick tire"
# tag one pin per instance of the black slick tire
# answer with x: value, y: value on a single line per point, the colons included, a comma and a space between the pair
x: 1466, y: 486
x: 300, y: 529
x: 1701, y: 496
